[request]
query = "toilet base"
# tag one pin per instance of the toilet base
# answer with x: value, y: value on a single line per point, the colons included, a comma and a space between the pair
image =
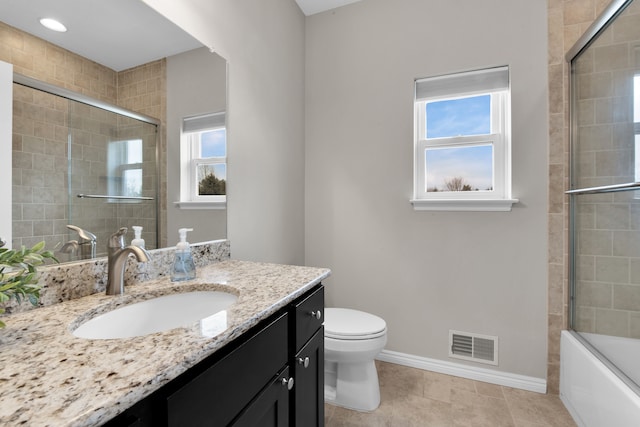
x: 352, y: 385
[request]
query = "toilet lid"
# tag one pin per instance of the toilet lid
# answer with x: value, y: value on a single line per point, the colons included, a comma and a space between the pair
x: 346, y: 323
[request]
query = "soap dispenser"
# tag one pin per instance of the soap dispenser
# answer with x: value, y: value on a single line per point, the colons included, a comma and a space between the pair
x: 183, y: 266
x: 138, y: 240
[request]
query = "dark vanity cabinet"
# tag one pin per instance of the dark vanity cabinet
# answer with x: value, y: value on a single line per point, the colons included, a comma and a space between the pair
x: 216, y: 396
x: 273, y: 375
x: 308, y: 361
x: 271, y: 407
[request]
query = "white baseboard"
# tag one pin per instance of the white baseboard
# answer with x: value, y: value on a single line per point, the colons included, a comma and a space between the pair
x: 538, y: 385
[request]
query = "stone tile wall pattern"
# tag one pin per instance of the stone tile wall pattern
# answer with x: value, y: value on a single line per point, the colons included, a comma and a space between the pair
x: 143, y: 89
x: 82, y: 278
x: 40, y: 149
x: 567, y: 21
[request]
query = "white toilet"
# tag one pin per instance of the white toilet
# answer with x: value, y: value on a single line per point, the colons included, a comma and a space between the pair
x: 352, y: 339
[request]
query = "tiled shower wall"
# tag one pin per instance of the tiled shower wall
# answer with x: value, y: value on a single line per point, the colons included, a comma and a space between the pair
x: 144, y: 89
x: 567, y: 21
x: 39, y: 167
x: 140, y: 89
x: 142, y: 213
x: 608, y: 225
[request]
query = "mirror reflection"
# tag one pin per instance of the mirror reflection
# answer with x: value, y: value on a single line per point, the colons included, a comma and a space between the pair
x: 93, y: 172
x: 80, y: 173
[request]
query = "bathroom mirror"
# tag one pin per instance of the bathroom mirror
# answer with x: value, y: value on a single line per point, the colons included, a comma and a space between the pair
x: 129, y: 41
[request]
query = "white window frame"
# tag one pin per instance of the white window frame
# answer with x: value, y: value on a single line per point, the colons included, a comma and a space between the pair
x: 117, y: 164
x: 190, y: 159
x: 493, y: 82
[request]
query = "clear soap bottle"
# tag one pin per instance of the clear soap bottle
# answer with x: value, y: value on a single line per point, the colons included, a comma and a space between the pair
x: 138, y: 240
x: 183, y: 265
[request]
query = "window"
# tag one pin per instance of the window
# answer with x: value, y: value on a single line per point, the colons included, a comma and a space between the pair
x: 124, y: 163
x: 203, y: 157
x: 462, y: 142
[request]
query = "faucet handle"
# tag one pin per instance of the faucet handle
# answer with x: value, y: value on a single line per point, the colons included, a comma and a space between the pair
x: 84, y: 234
x: 117, y: 239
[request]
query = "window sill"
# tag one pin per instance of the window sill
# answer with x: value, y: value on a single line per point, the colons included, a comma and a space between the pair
x: 200, y: 205
x: 476, y: 205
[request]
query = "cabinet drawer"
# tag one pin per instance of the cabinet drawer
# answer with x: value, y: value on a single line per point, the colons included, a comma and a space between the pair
x: 218, y: 394
x: 306, y: 319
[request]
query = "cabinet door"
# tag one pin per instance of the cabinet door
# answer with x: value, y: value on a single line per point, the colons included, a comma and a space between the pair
x: 219, y: 394
x: 308, y: 395
x: 271, y: 407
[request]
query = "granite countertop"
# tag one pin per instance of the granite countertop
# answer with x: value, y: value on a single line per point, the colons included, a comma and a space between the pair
x: 48, y: 377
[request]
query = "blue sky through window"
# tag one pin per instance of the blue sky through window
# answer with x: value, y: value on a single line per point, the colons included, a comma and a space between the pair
x: 459, y: 117
x: 473, y: 164
x: 213, y: 143
x: 219, y: 170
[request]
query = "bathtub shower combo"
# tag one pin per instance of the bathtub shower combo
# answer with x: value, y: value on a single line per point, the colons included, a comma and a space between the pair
x: 600, y: 355
x: 82, y: 169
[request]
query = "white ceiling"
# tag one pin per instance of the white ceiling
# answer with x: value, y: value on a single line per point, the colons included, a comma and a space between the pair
x: 310, y: 7
x: 119, y: 34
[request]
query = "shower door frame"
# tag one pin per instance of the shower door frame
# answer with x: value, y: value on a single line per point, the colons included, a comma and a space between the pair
x: 32, y: 83
x: 615, y: 8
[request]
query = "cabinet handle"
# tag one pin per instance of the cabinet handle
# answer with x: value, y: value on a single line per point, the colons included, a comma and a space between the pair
x: 304, y: 362
x: 288, y: 383
x: 316, y: 314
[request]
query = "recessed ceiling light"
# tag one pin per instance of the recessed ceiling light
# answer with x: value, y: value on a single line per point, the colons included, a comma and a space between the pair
x: 54, y: 25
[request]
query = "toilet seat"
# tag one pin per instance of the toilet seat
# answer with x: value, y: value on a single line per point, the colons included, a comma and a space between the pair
x: 348, y: 324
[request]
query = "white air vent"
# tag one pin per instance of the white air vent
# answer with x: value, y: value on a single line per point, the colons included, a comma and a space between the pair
x: 474, y: 347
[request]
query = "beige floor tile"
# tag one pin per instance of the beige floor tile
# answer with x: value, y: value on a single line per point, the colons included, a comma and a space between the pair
x: 487, y: 389
x: 537, y: 409
x: 328, y: 413
x: 473, y: 409
x: 415, y: 398
x: 463, y: 384
x: 415, y: 411
x: 438, y: 387
x: 401, y: 379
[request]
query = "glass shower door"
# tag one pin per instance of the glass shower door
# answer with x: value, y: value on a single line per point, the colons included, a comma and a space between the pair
x: 112, y: 178
x: 605, y: 191
x: 80, y: 172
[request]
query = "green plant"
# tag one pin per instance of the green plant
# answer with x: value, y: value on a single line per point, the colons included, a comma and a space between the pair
x: 18, y: 274
x: 210, y: 185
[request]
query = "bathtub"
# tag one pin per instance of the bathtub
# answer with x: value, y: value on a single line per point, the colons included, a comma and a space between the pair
x: 594, y: 395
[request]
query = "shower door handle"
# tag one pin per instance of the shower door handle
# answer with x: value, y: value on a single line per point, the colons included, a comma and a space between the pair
x: 104, y: 196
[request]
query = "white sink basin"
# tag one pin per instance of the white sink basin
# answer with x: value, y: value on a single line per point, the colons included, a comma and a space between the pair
x: 161, y: 314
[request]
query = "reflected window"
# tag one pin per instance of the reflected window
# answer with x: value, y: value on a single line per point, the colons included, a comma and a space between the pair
x: 210, y: 161
x: 125, y: 168
x: 204, y: 158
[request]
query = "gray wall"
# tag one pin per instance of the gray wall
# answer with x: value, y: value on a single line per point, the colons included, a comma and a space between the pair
x: 425, y: 272
x: 196, y: 84
x: 264, y: 44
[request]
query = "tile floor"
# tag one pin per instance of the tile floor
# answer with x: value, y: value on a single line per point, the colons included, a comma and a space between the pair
x: 415, y: 398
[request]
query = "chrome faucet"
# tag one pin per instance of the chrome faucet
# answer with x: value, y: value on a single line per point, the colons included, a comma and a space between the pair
x: 118, y: 254
x: 71, y: 247
x: 87, y: 243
